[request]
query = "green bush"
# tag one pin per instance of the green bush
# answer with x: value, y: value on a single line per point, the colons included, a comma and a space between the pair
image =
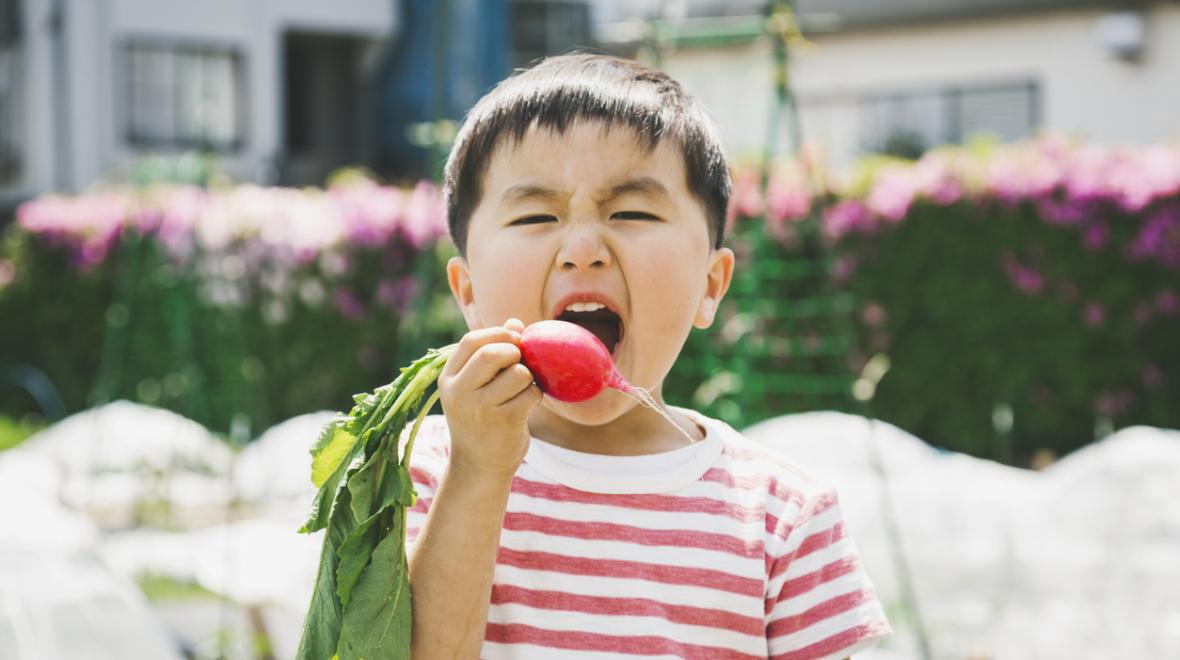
x: 257, y: 324
x: 1027, y: 295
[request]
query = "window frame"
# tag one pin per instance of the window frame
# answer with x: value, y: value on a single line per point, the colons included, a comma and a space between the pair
x: 950, y: 96
x: 127, y: 48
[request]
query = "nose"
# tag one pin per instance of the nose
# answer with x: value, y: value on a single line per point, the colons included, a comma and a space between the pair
x: 582, y: 248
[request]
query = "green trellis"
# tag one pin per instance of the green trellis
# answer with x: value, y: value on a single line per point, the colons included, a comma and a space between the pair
x: 782, y: 340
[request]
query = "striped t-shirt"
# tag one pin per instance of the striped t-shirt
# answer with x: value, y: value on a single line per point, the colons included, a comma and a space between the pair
x: 721, y: 549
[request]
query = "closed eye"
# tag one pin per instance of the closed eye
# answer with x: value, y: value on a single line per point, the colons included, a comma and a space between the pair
x: 532, y: 220
x: 634, y: 215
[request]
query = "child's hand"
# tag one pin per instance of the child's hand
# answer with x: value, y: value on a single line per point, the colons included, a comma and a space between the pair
x: 487, y: 395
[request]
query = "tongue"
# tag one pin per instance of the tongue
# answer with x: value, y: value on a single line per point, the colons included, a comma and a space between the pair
x: 606, y: 330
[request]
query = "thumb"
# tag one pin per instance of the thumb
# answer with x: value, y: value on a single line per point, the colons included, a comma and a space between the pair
x: 514, y: 325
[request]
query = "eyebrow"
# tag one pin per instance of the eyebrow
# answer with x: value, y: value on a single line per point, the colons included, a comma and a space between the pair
x: 645, y: 185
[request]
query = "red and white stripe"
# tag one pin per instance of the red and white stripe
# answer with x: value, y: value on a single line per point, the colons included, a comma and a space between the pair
x: 752, y: 560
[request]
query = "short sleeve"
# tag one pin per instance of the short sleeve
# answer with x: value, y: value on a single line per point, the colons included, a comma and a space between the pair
x: 819, y: 601
x: 427, y: 464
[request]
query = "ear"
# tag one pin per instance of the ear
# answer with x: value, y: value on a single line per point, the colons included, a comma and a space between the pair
x: 459, y: 277
x: 717, y: 283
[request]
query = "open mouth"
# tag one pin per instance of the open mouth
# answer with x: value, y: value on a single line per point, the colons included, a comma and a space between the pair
x: 605, y: 324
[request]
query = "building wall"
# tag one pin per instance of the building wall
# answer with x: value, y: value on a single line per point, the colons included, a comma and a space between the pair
x: 92, y: 143
x: 1083, y: 89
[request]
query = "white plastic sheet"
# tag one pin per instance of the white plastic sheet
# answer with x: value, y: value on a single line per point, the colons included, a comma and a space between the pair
x: 63, y: 606
x: 117, y: 460
x: 1079, y: 561
x: 274, y: 471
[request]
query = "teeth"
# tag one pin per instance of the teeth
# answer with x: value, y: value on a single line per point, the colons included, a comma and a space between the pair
x: 584, y: 307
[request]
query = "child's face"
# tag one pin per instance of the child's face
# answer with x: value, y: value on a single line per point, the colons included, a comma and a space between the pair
x: 590, y: 214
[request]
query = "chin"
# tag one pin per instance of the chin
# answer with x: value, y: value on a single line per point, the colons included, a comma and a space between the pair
x: 608, y: 406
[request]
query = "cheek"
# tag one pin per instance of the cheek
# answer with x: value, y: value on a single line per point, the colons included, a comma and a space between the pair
x: 509, y: 287
x: 667, y: 284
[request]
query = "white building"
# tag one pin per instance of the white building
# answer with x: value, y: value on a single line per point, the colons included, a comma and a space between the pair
x: 89, y: 86
x: 934, y: 72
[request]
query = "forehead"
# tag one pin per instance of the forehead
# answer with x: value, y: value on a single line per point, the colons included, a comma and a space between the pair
x: 586, y: 154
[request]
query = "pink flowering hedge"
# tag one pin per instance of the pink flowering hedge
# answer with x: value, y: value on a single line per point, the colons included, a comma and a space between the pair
x: 262, y: 302
x: 1040, y: 278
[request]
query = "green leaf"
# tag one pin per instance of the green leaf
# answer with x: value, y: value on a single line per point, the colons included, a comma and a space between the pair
x: 397, y: 489
x: 353, y: 556
x: 321, y: 628
x: 362, y: 487
x: 328, y: 432
x: 326, y: 501
x: 377, y: 621
x: 331, y: 454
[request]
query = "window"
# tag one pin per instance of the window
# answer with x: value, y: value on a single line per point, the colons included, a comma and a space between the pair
x: 11, y: 86
x: 541, y: 28
x: 907, y: 123
x: 184, y: 96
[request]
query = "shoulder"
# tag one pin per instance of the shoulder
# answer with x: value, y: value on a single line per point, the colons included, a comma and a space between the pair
x: 760, y: 466
x: 787, y: 491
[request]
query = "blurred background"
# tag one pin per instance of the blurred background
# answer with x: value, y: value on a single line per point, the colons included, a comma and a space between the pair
x: 957, y: 297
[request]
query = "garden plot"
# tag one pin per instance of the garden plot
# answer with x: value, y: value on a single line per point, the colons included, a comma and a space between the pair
x: 1078, y: 561
x: 125, y: 463
x: 272, y: 474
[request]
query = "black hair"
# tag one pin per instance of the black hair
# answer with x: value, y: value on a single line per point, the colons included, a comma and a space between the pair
x: 583, y: 86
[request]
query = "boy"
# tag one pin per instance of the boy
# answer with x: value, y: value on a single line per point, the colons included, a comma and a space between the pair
x: 594, y: 190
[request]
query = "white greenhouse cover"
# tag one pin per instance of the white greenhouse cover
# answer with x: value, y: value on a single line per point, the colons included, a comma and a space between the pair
x: 1079, y: 561
x: 114, y: 458
x: 274, y: 471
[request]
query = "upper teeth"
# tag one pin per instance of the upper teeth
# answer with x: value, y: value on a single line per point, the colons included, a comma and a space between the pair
x: 584, y: 307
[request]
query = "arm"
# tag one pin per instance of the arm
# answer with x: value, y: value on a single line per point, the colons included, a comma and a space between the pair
x: 451, y: 566
x: 487, y: 396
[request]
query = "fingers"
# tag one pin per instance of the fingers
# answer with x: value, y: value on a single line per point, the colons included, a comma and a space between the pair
x: 473, y: 341
x: 525, y: 400
x: 486, y: 363
x: 508, y: 383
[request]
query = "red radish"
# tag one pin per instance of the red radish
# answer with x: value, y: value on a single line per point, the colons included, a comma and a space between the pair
x: 572, y: 365
x: 569, y: 362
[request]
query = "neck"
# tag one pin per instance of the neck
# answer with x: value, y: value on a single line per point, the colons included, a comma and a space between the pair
x: 636, y: 432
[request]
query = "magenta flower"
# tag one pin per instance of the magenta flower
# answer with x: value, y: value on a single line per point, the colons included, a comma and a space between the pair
x: 891, y: 197
x: 873, y: 314
x: 348, y: 304
x: 1096, y: 236
x: 746, y: 200
x: 846, y: 217
x: 1024, y: 278
x: 843, y: 268
x: 1158, y: 237
x: 424, y: 215
x: 1113, y: 404
x: 399, y: 294
x: 7, y: 273
x: 1064, y: 212
x: 1167, y: 302
x: 1152, y: 173
x: 1094, y: 314
x: 786, y: 203
x: 1153, y: 376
